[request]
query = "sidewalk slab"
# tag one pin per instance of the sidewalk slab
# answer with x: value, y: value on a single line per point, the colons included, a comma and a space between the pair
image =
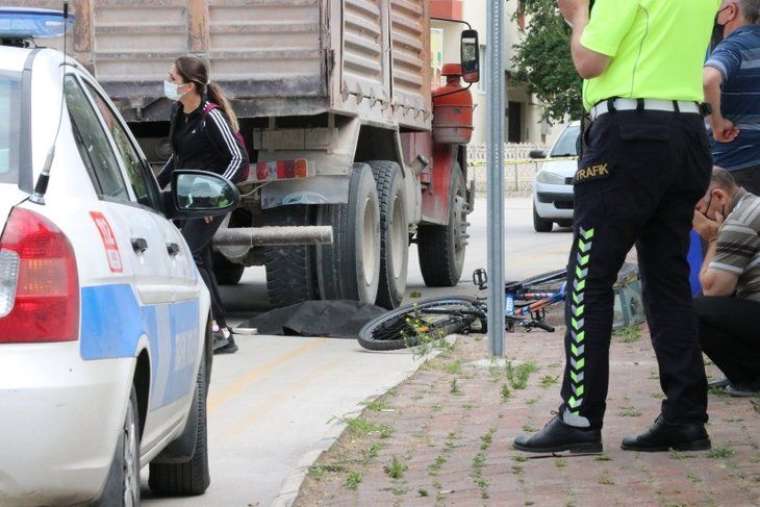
x: 453, y: 423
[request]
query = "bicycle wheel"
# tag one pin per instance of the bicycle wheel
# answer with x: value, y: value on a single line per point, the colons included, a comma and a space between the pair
x: 403, y: 327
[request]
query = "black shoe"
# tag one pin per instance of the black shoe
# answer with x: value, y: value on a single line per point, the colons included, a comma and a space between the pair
x: 663, y: 436
x: 559, y: 437
x: 719, y: 383
x: 230, y: 348
x: 743, y: 390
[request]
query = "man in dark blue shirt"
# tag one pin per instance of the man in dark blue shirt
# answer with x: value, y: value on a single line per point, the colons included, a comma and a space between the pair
x: 732, y: 88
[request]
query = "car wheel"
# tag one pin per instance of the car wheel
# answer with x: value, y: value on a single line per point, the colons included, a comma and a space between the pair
x: 122, y: 487
x: 540, y: 224
x: 190, y: 477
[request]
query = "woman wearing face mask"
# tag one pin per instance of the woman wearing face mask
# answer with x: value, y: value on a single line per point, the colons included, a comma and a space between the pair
x: 203, y: 136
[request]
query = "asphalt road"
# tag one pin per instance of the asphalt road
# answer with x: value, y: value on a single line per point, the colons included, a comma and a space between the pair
x: 277, y: 403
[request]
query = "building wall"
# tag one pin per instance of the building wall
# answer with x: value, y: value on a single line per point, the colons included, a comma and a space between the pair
x: 526, y: 124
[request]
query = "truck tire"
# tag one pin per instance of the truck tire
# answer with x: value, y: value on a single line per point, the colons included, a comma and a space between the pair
x: 349, y: 269
x: 290, y: 270
x: 122, y: 488
x: 442, y: 247
x: 394, y: 233
x: 540, y: 224
x: 227, y: 272
x: 190, y: 477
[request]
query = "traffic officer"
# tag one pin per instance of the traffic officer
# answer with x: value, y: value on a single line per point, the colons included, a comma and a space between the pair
x: 645, y: 164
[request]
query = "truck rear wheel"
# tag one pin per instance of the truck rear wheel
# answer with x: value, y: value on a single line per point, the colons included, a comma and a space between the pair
x: 290, y: 270
x: 350, y: 267
x: 442, y: 247
x: 394, y: 233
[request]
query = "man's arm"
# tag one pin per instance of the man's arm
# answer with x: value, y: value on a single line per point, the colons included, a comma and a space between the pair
x: 716, y: 282
x: 723, y: 129
x: 588, y: 63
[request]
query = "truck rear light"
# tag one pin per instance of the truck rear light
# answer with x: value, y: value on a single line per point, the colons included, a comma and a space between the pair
x: 39, y: 285
x: 282, y: 170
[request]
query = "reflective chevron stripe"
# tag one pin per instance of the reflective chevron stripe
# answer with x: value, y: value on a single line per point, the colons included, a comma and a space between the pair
x: 577, y: 351
x: 577, y: 321
x: 576, y: 378
x: 578, y: 337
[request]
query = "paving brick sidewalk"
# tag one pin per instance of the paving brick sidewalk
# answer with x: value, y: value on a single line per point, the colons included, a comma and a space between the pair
x: 444, y: 438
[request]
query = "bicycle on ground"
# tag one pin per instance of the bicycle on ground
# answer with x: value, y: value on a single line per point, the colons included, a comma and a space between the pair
x: 525, y: 302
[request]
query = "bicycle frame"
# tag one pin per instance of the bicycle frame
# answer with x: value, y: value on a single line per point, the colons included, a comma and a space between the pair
x: 523, y: 305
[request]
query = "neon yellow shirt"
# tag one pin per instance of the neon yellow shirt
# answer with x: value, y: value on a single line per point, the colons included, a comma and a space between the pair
x: 657, y: 48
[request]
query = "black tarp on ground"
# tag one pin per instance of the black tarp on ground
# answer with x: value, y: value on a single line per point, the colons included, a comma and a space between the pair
x: 332, y: 319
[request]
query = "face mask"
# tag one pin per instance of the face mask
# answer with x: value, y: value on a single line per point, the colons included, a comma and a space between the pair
x: 171, y: 91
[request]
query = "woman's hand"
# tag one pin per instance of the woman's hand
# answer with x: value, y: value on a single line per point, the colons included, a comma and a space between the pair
x: 208, y: 220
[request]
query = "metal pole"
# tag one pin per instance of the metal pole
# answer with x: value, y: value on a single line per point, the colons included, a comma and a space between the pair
x: 495, y: 162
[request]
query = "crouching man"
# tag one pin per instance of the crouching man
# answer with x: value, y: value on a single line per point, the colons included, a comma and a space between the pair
x: 728, y: 219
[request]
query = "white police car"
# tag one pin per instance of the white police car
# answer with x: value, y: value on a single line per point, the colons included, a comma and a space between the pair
x: 105, y: 349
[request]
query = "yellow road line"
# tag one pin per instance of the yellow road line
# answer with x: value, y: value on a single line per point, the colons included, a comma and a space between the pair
x: 268, y: 405
x: 242, y: 382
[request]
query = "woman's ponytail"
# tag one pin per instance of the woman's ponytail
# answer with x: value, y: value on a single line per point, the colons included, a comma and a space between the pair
x: 194, y: 70
x: 216, y: 95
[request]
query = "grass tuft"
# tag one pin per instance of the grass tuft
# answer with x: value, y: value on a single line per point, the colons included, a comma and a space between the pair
x: 518, y: 376
x: 353, y: 480
x: 721, y: 453
x: 396, y: 468
x: 629, y: 334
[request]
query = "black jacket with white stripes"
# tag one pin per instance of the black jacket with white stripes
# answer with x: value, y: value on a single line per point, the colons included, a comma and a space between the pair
x: 203, y: 142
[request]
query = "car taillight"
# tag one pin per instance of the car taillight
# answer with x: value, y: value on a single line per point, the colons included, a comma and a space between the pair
x: 39, y: 286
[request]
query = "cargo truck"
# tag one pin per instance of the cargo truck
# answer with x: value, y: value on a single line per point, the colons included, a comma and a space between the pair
x: 346, y: 130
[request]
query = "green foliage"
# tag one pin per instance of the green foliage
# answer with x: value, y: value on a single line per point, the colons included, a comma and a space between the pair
x: 518, y: 376
x: 353, y: 480
x: 505, y: 392
x: 630, y: 334
x: 544, y: 64
x: 396, y: 469
x: 721, y: 453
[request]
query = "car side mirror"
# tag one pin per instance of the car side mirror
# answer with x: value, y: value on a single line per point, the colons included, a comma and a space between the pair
x: 537, y: 154
x: 470, y: 56
x: 197, y: 194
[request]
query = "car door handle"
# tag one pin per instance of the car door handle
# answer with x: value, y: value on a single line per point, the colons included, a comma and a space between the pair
x: 173, y: 249
x: 139, y: 245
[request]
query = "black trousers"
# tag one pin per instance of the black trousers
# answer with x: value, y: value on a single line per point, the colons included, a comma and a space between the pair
x: 729, y: 335
x: 198, y: 235
x: 748, y: 178
x: 639, y: 178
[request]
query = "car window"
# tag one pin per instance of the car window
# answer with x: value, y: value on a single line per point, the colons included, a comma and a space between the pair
x: 567, y: 144
x: 143, y: 186
x: 10, y: 106
x: 93, y: 144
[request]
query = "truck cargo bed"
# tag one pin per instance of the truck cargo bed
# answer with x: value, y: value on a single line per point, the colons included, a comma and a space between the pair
x: 366, y: 58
